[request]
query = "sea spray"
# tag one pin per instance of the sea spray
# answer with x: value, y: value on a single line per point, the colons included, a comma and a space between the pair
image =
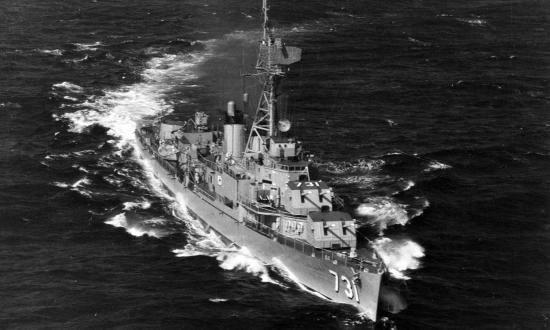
x: 435, y: 165
x: 151, y: 227
x: 242, y: 259
x: 119, y: 109
x: 143, y: 204
x: 399, y: 255
x: 383, y: 212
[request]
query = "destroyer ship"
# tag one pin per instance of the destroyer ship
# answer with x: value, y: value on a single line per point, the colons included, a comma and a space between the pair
x: 251, y: 185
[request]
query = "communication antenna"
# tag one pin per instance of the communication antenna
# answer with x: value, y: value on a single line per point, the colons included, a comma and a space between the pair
x: 272, y: 64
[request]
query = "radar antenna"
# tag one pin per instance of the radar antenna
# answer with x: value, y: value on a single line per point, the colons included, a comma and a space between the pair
x: 272, y: 64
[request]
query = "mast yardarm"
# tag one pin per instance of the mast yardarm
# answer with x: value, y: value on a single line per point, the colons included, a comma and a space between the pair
x: 274, y: 57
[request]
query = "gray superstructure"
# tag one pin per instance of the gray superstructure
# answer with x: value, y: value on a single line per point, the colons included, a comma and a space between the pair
x: 253, y: 188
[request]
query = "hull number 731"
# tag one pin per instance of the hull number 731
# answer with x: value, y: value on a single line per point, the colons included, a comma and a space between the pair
x: 350, y: 289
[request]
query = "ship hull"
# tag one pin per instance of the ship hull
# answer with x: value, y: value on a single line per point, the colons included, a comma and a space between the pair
x: 328, y: 278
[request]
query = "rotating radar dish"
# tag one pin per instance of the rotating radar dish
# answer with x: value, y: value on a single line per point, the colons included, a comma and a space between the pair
x: 284, y: 125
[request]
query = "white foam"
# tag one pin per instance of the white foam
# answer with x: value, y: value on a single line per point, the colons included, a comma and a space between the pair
x: 434, y: 165
x: 81, y: 182
x: 383, y: 212
x: 113, y: 180
x: 217, y: 300
x: 188, y: 251
x: 408, y: 185
x: 361, y: 165
x: 73, y: 88
x: 473, y: 21
x: 209, y: 244
x: 155, y: 221
x: 120, y: 109
x: 153, y: 181
x: 78, y: 60
x: 90, y: 46
x: 364, y: 181
x: 242, y: 259
x: 293, y: 278
x: 53, y: 156
x: 70, y: 98
x: 118, y: 220
x: 144, y: 204
x: 399, y: 255
x: 82, y: 169
x: 61, y: 184
x: 138, y: 229
x: 54, y: 52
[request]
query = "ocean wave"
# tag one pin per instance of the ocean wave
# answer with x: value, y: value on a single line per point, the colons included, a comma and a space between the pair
x: 419, y: 42
x: 383, y: 212
x: 54, y: 52
x: 217, y: 300
x: 357, y: 166
x: 391, y: 122
x: 144, y: 204
x: 68, y: 86
x: 80, y: 187
x: 80, y: 168
x: 111, y: 179
x: 60, y: 184
x: 77, y: 60
x: 81, y: 183
x: 229, y: 258
x: 435, y: 165
x: 243, y: 260
x: 408, y: 185
x: 399, y: 255
x: 363, y: 181
x: 473, y: 21
x: 89, y: 46
x: 118, y: 110
x: 208, y: 243
x: 151, y: 227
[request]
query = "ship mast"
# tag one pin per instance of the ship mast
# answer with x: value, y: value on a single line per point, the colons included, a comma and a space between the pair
x: 272, y: 63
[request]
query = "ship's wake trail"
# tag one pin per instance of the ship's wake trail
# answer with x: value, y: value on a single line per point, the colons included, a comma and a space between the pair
x: 209, y: 244
x: 199, y: 241
x: 119, y: 110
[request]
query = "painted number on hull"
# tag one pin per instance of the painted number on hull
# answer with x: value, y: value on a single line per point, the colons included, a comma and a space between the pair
x: 308, y: 184
x: 350, y: 288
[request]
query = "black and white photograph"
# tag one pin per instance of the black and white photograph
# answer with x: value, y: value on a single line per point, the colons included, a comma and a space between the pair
x: 275, y: 164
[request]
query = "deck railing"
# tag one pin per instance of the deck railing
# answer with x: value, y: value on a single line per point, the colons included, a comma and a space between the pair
x: 296, y: 244
x: 308, y: 249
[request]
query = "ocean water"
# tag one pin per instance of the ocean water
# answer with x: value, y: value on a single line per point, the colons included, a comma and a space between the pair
x: 430, y: 118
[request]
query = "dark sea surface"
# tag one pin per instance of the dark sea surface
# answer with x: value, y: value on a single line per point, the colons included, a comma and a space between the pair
x: 431, y: 118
